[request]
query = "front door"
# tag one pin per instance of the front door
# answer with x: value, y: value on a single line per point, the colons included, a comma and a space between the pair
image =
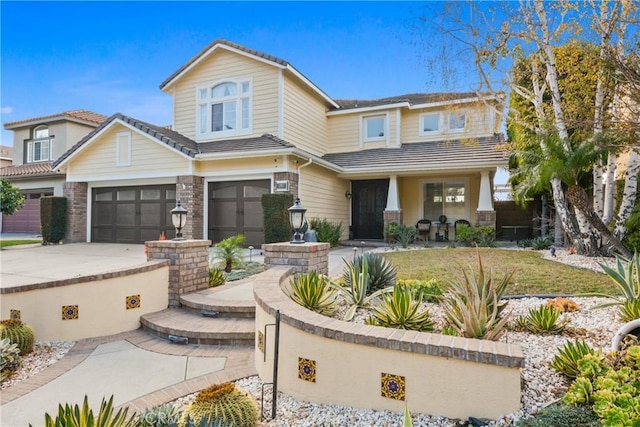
x: 368, y: 203
x: 235, y: 207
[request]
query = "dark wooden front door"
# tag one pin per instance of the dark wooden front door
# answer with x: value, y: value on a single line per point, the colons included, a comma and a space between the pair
x: 132, y: 214
x: 367, y: 206
x: 235, y: 207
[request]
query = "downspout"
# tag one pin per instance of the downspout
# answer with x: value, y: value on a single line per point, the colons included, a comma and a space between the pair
x: 300, y: 176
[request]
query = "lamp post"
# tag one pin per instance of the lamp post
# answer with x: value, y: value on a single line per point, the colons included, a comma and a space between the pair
x: 296, y: 217
x: 179, y: 220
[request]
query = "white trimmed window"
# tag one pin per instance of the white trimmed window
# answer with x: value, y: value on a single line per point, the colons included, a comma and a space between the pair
x: 40, y: 148
x: 444, y: 198
x: 123, y: 149
x: 224, y: 109
x: 374, y: 128
x: 457, y: 121
x: 429, y: 123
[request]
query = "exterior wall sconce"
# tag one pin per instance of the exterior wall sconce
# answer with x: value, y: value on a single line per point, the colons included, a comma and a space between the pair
x: 179, y: 220
x: 347, y: 194
x: 296, y: 218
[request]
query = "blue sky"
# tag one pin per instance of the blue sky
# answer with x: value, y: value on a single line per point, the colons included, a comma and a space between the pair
x: 111, y: 57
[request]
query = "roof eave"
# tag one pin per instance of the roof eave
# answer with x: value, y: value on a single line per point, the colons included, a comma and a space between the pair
x: 368, y: 109
x: 28, y: 123
x: 419, y: 168
x: 312, y: 85
x: 456, y: 102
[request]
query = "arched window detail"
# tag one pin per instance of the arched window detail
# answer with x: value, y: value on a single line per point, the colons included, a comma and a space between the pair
x: 40, y: 147
x: 224, y: 109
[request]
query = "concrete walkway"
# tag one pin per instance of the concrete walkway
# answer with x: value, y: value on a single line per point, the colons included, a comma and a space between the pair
x: 139, y: 370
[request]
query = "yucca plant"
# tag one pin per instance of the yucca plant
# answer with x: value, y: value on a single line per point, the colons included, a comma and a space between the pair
x: 626, y: 277
x: 312, y: 290
x: 566, y: 361
x: 216, y: 277
x: 84, y: 417
x: 356, y: 289
x: 401, y: 309
x: 630, y: 310
x: 543, y: 320
x: 473, y: 307
x: 381, y: 272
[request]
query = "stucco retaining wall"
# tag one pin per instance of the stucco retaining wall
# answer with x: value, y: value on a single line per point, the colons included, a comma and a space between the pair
x: 330, y: 361
x: 89, y: 306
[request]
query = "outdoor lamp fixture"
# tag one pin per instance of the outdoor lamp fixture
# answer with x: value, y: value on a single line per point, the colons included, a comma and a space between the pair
x: 296, y: 217
x: 347, y: 194
x: 179, y: 219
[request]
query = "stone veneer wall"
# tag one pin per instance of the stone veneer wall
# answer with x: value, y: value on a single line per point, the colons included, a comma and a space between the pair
x: 391, y: 216
x: 291, y: 177
x: 329, y: 361
x: 302, y: 257
x: 190, y: 191
x: 188, y: 265
x: 76, y: 194
x: 486, y: 218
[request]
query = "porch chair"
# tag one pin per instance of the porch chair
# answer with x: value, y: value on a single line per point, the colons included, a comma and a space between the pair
x: 424, y: 228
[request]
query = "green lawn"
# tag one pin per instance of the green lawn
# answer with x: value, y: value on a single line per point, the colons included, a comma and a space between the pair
x: 7, y: 243
x: 533, y: 275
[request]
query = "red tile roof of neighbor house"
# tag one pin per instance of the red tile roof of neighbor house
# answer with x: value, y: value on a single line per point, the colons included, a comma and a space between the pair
x: 28, y: 169
x: 81, y: 115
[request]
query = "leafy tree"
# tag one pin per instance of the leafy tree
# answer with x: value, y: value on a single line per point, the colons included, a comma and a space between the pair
x: 11, y: 199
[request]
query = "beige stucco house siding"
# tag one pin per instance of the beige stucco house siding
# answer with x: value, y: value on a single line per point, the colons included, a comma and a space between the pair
x: 322, y: 194
x: 221, y: 65
x: 149, y: 158
x: 305, y: 127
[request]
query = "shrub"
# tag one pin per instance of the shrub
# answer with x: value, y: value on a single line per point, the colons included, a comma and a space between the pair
x: 229, y: 251
x: 311, y: 290
x: 18, y: 333
x: 405, y: 234
x: 541, y: 243
x: 9, y: 357
x: 222, y: 405
x: 473, y: 307
x: 277, y: 227
x: 430, y: 289
x: 566, y: 361
x: 543, y: 320
x: 326, y: 231
x: 401, y: 309
x: 562, y: 415
x: 470, y: 235
x: 53, y: 218
x: 356, y: 289
x: 381, y: 272
x: 84, y: 417
x: 216, y: 277
x: 626, y: 276
x: 161, y: 416
x: 249, y: 269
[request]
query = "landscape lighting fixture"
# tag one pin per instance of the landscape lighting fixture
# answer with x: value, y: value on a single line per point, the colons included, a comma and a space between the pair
x: 179, y: 219
x: 296, y: 217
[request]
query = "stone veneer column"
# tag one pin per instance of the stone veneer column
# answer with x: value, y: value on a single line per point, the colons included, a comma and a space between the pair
x: 303, y: 257
x: 188, y: 268
x: 190, y: 192
x: 291, y: 178
x: 76, y: 194
x: 391, y: 216
x: 486, y: 218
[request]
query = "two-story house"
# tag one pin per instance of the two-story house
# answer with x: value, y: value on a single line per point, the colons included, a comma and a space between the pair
x: 37, y: 142
x: 246, y: 123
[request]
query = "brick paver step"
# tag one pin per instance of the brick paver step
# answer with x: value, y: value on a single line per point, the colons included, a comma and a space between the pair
x: 208, y: 301
x: 197, y: 329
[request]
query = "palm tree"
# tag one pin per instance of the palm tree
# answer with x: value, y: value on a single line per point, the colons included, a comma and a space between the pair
x: 229, y: 251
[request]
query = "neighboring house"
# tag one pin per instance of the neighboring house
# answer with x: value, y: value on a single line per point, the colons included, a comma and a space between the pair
x: 6, y: 156
x: 37, y: 142
x: 246, y: 123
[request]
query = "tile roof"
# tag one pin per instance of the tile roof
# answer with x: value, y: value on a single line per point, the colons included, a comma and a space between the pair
x: 197, y: 56
x: 82, y: 115
x: 27, y: 170
x: 433, y: 155
x: 167, y: 136
x: 264, y: 142
x: 411, y: 98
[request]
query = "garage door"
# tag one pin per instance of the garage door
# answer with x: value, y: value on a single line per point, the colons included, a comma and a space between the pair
x: 27, y: 219
x: 132, y: 214
x: 235, y: 207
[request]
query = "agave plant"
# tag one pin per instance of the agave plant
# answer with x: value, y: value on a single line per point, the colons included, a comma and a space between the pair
x: 84, y: 417
x: 356, y: 288
x: 311, y: 290
x: 473, y: 307
x: 543, y: 320
x: 382, y: 273
x: 401, y: 309
x: 566, y: 361
x: 626, y: 277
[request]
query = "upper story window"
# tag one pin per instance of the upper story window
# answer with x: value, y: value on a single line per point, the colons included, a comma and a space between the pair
x: 429, y: 123
x: 374, y: 128
x: 40, y: 148
x: 457, y: 121
x: 224, y: 109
